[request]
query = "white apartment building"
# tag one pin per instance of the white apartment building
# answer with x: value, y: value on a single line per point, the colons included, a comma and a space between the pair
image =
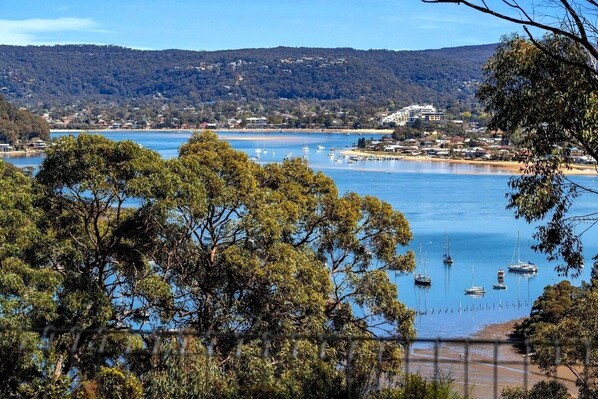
x: 412, y: 113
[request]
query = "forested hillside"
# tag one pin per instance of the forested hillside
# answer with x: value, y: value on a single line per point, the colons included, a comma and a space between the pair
x: 17, y: 124
x: 57, y: 75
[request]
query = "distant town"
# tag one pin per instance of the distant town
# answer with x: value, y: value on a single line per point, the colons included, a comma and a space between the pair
x: 250, y: 116
x: 417, y: 130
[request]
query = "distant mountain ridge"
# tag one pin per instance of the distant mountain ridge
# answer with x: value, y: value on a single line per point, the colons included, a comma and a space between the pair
x: 62, y: 74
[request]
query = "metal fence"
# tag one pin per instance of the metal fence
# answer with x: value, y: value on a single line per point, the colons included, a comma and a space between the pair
x: 479, y: 368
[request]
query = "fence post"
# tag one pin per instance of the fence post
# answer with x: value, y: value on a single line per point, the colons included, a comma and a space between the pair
x: 526, y: 364
x: 466, y: 375
x: 495, y: 368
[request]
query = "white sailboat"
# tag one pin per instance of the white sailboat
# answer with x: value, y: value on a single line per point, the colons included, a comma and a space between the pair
x: 474, y: 290
x: 520, y: 266
x: 423, y: 278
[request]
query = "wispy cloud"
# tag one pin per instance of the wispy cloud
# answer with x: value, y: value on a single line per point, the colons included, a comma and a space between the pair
x: 33, y: 31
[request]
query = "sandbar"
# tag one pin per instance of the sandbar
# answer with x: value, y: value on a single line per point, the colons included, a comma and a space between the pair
x: 508, y: 166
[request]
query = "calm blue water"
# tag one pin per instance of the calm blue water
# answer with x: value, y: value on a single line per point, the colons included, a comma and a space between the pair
x: 464, y: 202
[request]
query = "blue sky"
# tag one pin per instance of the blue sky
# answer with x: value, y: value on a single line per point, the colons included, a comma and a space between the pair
x: 224, y: 24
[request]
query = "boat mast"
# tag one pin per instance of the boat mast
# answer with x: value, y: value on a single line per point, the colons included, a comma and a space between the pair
x: 518, y: 249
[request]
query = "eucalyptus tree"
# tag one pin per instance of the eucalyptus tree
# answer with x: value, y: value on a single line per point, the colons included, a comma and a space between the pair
x: 26, y: 291
x: 213, y: 243
x: 544, y: 87
x: 274, y: 249
x: 553, y: 108
x: 98, y: 200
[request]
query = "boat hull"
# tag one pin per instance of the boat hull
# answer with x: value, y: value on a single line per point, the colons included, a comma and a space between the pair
x: 523, y: 268
x: 475, y: 291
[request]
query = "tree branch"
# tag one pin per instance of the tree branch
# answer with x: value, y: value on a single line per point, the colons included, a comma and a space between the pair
x: 580, y: 37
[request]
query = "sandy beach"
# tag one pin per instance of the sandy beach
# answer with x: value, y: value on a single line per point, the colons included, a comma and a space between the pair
x: 512, y: 368
x: 511, y: 167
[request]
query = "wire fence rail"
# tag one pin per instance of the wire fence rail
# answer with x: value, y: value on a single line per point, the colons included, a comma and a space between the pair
x: 431, y: 357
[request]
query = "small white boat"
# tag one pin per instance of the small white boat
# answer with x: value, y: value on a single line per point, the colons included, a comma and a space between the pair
x: 321, y: 147
x: 523, y: 267
x: 258, y: 150
x: 338, y: 160
x: 499, y: 286
x: 475, y: 290
x: 305, y: 148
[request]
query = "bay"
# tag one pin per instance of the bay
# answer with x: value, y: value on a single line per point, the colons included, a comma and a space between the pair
x: 465, y: 203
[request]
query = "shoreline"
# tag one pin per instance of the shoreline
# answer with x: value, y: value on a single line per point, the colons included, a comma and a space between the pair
x: 21, y: 154
x: 508, y: 166
x: 512, y: 368
x: 307, y: 131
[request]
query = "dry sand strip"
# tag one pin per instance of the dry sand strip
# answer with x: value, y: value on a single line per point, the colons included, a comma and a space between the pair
x: 509, y: 166
x: 481, y: 372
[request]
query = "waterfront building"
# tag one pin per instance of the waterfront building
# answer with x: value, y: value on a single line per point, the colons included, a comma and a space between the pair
x: 414, y: 112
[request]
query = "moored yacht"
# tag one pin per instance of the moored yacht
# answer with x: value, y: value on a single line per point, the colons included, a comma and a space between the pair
x: 520, y: 266
x: 473, y: 290
x: 447, y: 258
x: 523, y: 267
x: 422, y: 279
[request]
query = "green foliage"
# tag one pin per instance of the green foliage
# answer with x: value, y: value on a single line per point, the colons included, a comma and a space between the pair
x: 406, y: 132
x: 414, y: 386
x: 549, y: 308
x: 110, y: 383
x: 552, y: 105
x: 65, y: 74
x: 109, y: 235
x: 20, y: 125
x: 541, y: 390
x: 27, y: 292
x: 563, y: 317
x: 84, y: 185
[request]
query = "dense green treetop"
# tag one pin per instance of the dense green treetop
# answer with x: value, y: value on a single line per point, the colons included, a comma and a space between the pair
x: 109, y: 235
x: 20, y: 125
x: 564, y: 317
x: 553, y: 107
